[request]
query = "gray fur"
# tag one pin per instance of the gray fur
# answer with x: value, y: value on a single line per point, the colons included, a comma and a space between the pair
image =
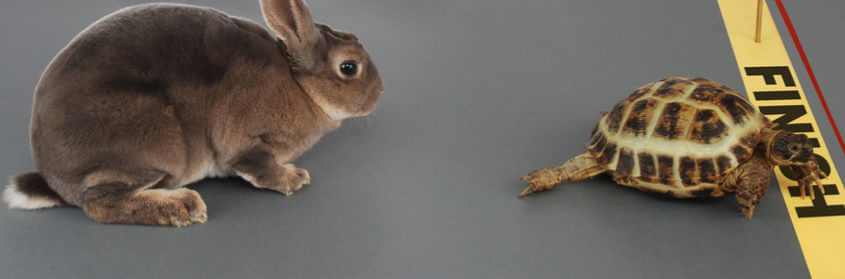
x: 154, y: 96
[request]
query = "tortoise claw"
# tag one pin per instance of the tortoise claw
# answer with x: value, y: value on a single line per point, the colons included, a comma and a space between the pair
x: 527, y: 191
x: 749, y: 212
x: 807, y: 175
x: 532, y: 187
x: 537, y: 181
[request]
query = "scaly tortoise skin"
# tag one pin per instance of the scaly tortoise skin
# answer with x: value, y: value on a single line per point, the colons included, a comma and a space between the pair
x: 686, y: 138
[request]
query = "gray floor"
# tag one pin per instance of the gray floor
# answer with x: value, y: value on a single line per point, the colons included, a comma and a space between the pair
x: 478, y: 93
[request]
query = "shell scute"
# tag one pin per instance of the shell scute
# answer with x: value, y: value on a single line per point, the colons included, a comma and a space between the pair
x: 606, y: 155
x: 646, y: 163
x: 687, y: 170
x: 674, y: 121
x: 641, y: 91
x: 707, y: 127
x: 625, y: 163
x: 724, y: 164
x: 738, y: 109
x: 597, y: 145
x: 672, y: 88
x: 614, y: 118
x: 666, y: 169
x: 707, y: 171
x: 639, y: 117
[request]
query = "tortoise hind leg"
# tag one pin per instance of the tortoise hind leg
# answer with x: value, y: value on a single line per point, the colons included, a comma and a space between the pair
x: 579, y: 168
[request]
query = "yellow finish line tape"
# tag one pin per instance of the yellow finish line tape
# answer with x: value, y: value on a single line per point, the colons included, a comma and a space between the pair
x: 773, y: 87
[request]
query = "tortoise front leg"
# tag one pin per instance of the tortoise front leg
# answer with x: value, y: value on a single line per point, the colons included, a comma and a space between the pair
x: 579, y: 168
x: 752, y: 189
x: 751, y: 180
x: 806, y: 176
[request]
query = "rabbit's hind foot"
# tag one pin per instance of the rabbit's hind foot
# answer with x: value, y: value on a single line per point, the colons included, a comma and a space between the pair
x: 116, y: 203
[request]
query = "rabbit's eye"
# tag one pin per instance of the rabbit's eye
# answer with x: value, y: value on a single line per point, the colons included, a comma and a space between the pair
x: 349, y: 68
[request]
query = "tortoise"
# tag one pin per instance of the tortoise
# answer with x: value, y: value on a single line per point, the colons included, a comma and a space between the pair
x: 687, y: 138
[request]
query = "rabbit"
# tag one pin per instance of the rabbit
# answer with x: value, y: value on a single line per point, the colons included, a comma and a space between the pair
x: 157, y: 96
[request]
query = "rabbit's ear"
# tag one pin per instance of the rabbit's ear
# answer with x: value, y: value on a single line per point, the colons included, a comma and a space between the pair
x: 291, y: 21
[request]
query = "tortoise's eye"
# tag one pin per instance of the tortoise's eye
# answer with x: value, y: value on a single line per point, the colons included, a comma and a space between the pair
x: 793, y: 147
x: 349, y: 68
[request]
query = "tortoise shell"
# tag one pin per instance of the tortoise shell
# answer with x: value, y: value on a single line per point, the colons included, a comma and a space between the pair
x: 678, y: 136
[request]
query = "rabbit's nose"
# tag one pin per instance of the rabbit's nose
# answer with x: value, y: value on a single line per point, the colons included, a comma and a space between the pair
x: 378, y: 89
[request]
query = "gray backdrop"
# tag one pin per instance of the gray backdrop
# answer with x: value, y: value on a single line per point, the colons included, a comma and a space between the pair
x: 477, y: 94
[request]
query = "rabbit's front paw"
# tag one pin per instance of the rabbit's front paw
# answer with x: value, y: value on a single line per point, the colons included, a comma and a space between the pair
x: 285, y: 178
x: 293, y: 180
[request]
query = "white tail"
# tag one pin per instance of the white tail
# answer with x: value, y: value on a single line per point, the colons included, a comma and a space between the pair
x: 17, y: 199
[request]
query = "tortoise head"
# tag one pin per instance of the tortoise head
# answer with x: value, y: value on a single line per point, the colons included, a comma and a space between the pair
x: 790, y: 149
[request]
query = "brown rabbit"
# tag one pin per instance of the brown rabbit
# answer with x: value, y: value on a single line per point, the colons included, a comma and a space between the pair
x: 154, y: 97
